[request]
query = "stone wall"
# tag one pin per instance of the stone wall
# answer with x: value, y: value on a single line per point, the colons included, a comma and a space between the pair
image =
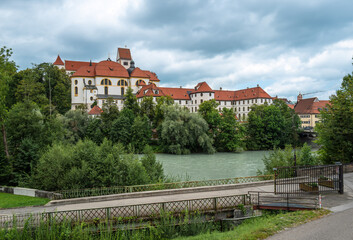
x: 29, y: 192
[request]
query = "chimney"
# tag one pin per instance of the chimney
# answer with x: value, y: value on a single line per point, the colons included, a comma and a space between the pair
x: 258, y: 85
x: 220, y: 88
x: 300, y: 97
x: 180, y: 86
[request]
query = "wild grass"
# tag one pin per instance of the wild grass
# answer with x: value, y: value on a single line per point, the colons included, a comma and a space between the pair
x: 262, y: 227
x: 11, y: 201
x: 168, y: 226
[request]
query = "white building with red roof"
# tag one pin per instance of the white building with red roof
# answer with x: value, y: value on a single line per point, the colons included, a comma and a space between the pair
x: 92, y: 82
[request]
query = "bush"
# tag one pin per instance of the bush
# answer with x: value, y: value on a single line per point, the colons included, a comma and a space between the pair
x: 87, y: 165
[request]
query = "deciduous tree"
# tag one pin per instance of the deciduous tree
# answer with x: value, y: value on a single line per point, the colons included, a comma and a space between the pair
x: 335, y: 130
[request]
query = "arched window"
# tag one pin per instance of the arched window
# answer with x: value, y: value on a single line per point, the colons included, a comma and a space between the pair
x: 138, y: 82
x: 89, y: 82
x: 122, y: 83
x: 106, y: 82
x: 76, y: 91
x: 76, y: 82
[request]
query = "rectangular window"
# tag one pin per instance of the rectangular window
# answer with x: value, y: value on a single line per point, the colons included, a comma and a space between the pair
x: 180, y: 102
x: 195, y: 103
x: 210, y: 94
x: 126, y: 63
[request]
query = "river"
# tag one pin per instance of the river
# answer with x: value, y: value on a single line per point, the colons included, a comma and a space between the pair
x: 216, y: 166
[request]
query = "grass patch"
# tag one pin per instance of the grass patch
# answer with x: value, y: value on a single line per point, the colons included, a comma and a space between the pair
x: 11, y: 201
x: 263, y: 227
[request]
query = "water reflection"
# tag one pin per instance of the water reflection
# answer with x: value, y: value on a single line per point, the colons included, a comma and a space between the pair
x: 216, y: 166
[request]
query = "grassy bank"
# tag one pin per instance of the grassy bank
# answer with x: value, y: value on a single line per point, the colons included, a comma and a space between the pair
x: 263, y: 227
x: 169, y: 227
x: 11, y: 201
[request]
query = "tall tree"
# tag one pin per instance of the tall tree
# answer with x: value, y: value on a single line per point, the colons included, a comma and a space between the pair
x: 159, y: 115
x: 208, y: 110
x: 148, y: 107
x: 25, y: 128
x: 130, y: 101
x: 229, y: 136
x: 335, y: 130
x: 7, y: 69
x: 271, y: 126
x: 183, y: 132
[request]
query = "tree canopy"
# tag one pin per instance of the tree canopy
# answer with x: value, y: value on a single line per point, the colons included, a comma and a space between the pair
x: 335, y: 131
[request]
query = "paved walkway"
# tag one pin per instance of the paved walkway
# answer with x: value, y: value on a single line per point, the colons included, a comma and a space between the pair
x: 135, y: 201
x: 338, y: 225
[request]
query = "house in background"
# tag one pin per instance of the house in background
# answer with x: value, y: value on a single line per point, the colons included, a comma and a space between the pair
x: 308, y: 110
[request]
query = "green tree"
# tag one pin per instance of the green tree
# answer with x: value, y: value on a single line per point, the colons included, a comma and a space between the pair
x: 130, y: 101
x: 183, y: 132
x: 25, y: 128
x: 121, y: 129
x: 285, y: 157
x: 148, y: 107
x: 141, y: 133
x: 208, y: 110
x: 153, y: 168
x: 271, y: 126
x: 229, y: 136
x: 86, y: 165
x: 159, y: 115
x: 75, y: 123
x: 335, y: 131
x: 7, y: 69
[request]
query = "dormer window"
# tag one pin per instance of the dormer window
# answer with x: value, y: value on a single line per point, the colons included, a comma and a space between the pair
x: 126, y: 63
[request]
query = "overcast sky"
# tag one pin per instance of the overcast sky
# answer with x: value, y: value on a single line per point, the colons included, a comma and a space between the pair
x: 286, y: 47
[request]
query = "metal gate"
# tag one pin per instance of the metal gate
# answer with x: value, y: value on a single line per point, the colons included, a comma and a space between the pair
x: 312, y: 179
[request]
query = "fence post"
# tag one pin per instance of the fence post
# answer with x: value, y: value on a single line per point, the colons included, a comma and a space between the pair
x: 340, y: 169
x: 274, y: 180
x: 215, y: 204
x: 288, y: 201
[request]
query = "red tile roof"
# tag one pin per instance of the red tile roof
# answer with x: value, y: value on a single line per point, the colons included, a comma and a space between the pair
x: 85, y: 71
x: 58, y: 61
x: 249, y: 93
x: 310, y: 106
x: 152, y: 76
x: 137, y: 72
x: 290, y: 105
x: 177, y: 93
x: 124, y: 53
x: 95, y: 111
x: 75, y: 65
x: 111, y: 69
x: 202, y: 87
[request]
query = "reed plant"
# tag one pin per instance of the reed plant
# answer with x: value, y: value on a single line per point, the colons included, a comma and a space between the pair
x: 166, y: 226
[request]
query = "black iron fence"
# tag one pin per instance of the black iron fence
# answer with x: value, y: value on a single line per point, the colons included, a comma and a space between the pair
x: 286, y: 201
x: 312, y: 179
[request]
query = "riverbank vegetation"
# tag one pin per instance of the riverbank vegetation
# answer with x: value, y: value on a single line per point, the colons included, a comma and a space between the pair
x: 36, y: 122
x: 187, y: 227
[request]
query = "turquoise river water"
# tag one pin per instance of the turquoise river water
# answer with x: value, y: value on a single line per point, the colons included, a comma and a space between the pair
x: 216, y: 166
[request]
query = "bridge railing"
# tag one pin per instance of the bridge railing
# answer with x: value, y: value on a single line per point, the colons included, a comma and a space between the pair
x: 129, y: 213
x: 283, y: 201
x: 89, y: 192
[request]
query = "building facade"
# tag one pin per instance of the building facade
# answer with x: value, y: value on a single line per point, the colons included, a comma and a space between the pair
x: 96, y: 82
x: 308, y: 110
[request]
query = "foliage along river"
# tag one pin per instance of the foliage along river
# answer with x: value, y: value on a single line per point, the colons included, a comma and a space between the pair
x: 216, y: 166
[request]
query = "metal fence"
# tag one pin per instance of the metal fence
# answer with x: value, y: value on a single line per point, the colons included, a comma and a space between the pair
x: 314, y: 179
x: 129, y: 212
x: 287, y: 201
x: 77, y: 193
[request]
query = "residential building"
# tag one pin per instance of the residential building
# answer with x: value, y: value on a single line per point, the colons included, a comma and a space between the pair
x: 308, y: 110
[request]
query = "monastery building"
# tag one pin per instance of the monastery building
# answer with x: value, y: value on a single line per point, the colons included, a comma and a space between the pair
x: 96, y: 82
